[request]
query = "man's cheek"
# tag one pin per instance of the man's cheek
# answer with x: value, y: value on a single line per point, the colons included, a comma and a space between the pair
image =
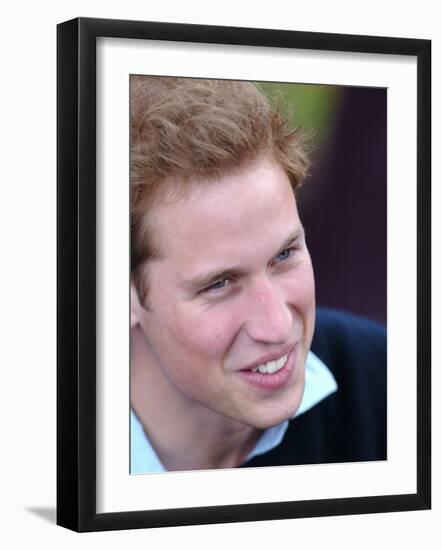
x: 209, y: 337
x: 301, y: 289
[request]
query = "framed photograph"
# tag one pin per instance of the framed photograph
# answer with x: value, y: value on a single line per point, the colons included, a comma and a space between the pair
x: 206, y: 369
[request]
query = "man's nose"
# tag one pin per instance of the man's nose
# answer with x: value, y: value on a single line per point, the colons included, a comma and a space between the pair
x: 269, y: 317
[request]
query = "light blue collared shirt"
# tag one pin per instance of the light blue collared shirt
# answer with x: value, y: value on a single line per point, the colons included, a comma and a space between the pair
x: 319, y: 384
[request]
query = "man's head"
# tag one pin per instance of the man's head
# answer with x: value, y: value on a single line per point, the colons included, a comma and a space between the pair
x: 189, y: 132
x: 220, y: 249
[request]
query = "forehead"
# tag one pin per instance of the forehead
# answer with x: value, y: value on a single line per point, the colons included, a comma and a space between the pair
x: 227, y: 216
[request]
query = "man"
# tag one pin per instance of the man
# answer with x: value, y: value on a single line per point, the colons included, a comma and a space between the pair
x: 223, y: 370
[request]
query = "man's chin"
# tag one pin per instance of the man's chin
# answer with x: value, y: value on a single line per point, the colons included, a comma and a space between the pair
x: 271, y: 420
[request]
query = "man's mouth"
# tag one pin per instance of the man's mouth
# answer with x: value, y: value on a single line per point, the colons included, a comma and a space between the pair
x: 270, y: 367
x: 272, y: 374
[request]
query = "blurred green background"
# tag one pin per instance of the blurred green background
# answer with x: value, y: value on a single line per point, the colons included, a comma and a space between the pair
x: 313, y: 107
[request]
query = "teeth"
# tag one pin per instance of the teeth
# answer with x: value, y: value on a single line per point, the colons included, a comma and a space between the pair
x: 271, y: 366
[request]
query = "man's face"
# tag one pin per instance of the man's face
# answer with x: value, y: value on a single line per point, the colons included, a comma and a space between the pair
x: 233, y: 292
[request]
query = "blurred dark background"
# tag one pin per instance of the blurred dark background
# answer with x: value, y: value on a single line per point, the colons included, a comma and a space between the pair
x: 343, y: 204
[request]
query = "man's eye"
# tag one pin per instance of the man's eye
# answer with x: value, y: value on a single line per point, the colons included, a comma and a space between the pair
x: 285, y: 254
x: 219, y: 285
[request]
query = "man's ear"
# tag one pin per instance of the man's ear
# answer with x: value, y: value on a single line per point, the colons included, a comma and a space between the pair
x: 135, y: 307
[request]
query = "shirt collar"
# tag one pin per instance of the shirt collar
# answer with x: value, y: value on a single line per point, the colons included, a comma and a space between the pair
x: 319, y: 384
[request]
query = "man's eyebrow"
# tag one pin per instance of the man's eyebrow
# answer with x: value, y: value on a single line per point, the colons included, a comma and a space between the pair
x: 298, y: 233
x: 205, y: 280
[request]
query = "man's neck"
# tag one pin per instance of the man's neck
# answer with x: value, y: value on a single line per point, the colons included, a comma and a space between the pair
x: 185, y: 436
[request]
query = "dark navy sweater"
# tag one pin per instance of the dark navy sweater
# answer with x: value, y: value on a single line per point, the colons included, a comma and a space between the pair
x: 350, y: 425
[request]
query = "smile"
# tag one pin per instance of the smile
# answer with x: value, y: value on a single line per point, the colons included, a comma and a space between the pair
x: 271, y: 366
x: 271, y: 375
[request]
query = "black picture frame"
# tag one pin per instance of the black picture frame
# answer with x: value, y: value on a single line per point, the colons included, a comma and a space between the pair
x: 77, y: 287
